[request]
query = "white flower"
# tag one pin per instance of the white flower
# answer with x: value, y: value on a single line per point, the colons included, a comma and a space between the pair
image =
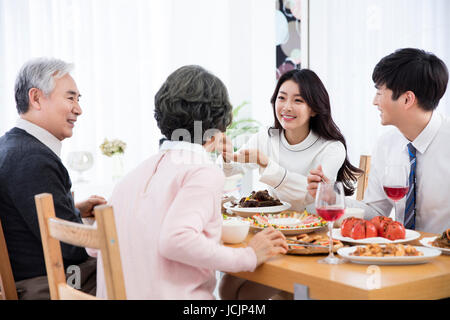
x: 110, y: 148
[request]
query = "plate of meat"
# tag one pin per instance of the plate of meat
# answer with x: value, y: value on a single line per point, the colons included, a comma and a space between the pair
x: 256, y: 202
x: 389, y: 254
x: 311, y: 243
x: 441, y: 242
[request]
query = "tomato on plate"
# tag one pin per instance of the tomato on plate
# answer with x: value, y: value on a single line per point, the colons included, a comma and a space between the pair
x: 347, y: 225
x: 393, y: 231
x: 363, y: 229
x: 379, y: 222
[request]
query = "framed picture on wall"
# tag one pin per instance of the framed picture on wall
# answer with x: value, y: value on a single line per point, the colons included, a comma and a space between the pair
x: 291, y: 34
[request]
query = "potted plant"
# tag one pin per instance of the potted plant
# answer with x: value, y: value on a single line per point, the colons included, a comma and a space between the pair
x: 114, y: 149
x: 241, y: 128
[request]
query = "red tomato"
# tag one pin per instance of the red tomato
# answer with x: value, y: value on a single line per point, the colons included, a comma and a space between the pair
x: 393, y: 231
x: 363, y: 229
x: 378, y: 221
x: 347, y: 225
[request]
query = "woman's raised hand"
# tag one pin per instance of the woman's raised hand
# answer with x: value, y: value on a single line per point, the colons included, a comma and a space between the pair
x: 225, y: 147
x: 314, y: 178
x: 251, y: 156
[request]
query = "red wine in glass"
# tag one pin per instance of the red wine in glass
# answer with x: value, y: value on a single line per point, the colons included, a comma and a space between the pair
x: 330, y: 205
x: 330, y: 214
x: 395, y: 183
x: 395, y: 193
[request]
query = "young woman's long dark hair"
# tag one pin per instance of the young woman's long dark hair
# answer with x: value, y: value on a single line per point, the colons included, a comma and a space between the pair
x: 316, y: 97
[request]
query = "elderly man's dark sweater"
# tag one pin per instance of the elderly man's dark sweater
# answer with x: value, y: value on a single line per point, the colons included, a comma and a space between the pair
x: 28, y: 167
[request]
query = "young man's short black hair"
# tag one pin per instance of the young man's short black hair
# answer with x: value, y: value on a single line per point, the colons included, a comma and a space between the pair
x: 413, y: 70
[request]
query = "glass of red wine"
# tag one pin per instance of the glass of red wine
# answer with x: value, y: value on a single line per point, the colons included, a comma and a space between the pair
x: 330, y: 205
x: 396, y: 186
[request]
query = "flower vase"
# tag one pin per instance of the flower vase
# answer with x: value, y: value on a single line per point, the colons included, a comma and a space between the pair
x: 117, y: 166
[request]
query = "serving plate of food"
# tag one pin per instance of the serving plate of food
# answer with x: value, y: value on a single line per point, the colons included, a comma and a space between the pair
x: 289, y: 223
x: 410, y: 235
x: 311, y: 243
x: 389, y: 254
x: 441, y: 242
x: 378, y: 230
x: 256, y: 202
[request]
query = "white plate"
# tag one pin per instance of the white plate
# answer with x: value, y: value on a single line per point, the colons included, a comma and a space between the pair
x: 248, y: 212
x: 291, y: 230
x: 427, y: 243
x: 428, y: 254
x: 288, y: 222
x: 409, y: 236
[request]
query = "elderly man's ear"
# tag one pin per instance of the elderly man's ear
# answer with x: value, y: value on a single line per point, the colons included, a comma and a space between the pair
x: 34, y: 96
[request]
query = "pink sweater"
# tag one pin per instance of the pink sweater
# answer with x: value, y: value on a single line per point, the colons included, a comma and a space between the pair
x: 169, y: 222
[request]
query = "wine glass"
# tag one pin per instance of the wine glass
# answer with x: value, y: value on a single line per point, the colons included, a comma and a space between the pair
x: 80, y: 161
x: 396, y: 186
x: 330, y: 205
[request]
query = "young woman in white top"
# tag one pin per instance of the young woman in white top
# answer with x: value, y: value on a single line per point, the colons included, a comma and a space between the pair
x: 303, y: 137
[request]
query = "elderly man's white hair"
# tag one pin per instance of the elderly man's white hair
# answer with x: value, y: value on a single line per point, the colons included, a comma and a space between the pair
x: 38, y: 73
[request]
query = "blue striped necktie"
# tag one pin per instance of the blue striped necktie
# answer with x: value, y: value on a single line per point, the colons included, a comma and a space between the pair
x: 410, y: 206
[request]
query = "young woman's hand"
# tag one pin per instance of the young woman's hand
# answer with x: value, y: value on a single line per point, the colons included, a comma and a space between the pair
x: 314, y: 178
x: 252, y: 156
x: 268, y: 243
x: 225, y: 147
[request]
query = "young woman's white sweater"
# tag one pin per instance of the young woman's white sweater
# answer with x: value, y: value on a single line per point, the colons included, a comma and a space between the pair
x: 289, y: 165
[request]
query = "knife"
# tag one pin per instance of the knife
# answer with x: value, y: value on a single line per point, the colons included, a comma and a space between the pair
x: 307, y: 245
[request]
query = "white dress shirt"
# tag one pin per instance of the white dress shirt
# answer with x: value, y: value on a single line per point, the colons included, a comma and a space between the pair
x: 432, y: 175
x: 41, y: 134
x: 289, y: 165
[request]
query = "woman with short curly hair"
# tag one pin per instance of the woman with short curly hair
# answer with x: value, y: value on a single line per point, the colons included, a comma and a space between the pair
x: 168, y: 210
x: 190, y: 95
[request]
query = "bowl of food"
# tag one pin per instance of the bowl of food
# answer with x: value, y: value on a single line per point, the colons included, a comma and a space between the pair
x: 349, y: 212
x: 234, y: 230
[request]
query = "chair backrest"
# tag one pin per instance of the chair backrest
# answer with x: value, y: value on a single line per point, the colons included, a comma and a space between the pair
x: 103, y: 237
x: 363, y: 179
x: 8, y: 289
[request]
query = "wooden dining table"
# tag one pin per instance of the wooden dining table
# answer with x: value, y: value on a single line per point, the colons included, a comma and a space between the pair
x: 304, y: 277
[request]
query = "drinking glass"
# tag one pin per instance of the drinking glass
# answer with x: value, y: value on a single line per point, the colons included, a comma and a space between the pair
x: 330, y: 205
x: 396, y: 186
x: 80, y: 161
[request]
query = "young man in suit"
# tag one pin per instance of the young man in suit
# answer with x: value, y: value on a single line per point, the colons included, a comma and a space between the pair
x: 409, y: 82
x: 47, y: 100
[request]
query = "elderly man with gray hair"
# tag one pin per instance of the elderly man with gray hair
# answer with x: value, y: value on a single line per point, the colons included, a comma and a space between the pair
x: 47, y: 100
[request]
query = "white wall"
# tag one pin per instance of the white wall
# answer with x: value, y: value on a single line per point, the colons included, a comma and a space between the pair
x: 124, y: 49
x: 348, y: 38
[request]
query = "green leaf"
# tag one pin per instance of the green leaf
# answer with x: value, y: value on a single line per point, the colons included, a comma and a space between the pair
x: 242, y: 126
x: 239, y: 107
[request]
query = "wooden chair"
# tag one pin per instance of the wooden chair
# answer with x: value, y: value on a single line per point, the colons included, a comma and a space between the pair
x: 363, y: 179
x: 8, y: 289
x: 103, y: 237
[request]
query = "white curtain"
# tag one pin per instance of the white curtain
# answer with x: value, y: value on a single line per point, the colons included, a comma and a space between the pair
x: 349, y: 37
x: 124, y: 49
